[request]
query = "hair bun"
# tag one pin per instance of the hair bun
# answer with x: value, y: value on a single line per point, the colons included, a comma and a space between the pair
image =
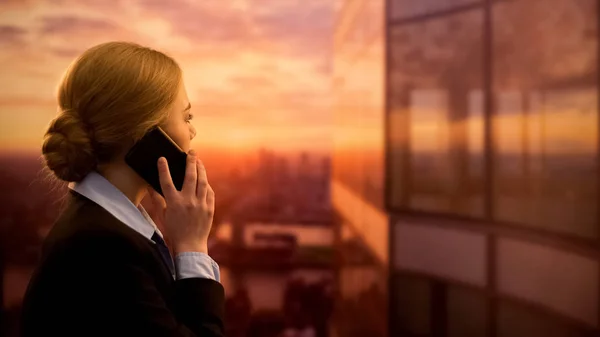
x: 67, y: 148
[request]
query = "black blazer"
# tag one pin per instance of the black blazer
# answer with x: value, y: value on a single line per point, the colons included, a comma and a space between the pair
x: 98, y: 277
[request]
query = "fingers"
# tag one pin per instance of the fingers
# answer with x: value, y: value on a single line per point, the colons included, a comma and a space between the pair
x: 195, y: 181
x: 191, y: 174
x: 164, y: 176
x: 202, y: 187
x: 210, y: 198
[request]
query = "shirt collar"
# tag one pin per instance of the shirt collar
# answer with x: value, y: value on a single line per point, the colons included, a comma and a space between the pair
x: 99, y: 190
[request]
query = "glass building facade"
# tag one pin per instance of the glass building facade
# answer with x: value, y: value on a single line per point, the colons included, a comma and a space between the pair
x: 466, y: 168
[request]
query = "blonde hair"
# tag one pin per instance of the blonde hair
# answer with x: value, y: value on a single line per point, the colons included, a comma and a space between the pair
x: 109, y: 98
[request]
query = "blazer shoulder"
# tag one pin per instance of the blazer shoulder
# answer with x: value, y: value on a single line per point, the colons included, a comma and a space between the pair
x: 87, y: 226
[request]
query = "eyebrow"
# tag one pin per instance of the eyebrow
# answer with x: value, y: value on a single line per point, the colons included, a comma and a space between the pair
x: 188, y: 107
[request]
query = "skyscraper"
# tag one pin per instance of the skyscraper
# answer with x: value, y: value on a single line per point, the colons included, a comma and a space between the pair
x: 465, y: 168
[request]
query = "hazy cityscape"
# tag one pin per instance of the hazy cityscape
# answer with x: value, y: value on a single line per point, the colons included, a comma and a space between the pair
x: 272, y: 237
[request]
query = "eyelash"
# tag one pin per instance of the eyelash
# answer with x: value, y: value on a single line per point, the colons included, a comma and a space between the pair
x: 189, y: 118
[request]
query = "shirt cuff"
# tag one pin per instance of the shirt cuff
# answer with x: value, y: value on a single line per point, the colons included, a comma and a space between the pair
x: 196, y: 264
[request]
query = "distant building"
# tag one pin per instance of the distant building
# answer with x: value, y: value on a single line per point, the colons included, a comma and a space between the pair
x: 263, y: 257
x: 254, y: 234
x: 304, y: 162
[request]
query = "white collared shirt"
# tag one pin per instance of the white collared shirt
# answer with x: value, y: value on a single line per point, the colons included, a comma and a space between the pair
x: 99, y: 190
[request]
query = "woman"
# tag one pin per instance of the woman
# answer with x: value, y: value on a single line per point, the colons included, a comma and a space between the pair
x: 105, y: 269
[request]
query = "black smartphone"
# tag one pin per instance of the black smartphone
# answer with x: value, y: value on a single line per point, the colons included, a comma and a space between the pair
x: 143, y: 158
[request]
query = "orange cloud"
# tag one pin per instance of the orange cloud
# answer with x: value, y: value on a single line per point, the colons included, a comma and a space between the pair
x: 257, y: 72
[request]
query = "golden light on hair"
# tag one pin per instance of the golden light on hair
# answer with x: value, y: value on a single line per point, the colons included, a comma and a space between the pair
x: 109, y: 97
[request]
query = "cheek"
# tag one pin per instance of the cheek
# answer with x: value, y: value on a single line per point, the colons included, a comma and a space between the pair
x: 192, y: 131
x: 184, y: 137
x: 180, y: 134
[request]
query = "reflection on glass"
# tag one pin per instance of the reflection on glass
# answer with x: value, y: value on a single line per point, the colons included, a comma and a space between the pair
x: 546, y: 120
x: 362, y: 306
x: 402, y: 9
x: 425, y: 307
x: 412, y: 304
x: 467, y: 312
x: 518, y: 321
x: 436, y: 99
x: 359, y: 97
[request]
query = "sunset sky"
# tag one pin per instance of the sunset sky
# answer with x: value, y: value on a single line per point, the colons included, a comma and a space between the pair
x: 257, y: 71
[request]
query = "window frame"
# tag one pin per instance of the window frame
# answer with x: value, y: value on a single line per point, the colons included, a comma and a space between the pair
x: 588, y: 247
x: 488, y: 219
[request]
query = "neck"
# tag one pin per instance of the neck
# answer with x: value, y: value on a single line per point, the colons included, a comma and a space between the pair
x: 126, y: 180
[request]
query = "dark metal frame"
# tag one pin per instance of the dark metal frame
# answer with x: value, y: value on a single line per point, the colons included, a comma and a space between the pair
x: 441, y: 13
x: 598, y: 144
x: 391, y: 290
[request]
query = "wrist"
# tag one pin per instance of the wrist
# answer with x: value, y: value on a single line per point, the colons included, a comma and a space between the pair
x: 187, y: 247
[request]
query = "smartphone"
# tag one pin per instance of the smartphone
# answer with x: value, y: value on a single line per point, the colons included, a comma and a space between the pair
x: 143, y: 158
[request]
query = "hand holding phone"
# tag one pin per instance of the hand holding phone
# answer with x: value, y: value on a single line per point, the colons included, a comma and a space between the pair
x: 187, y: 215
x: 179, y: 189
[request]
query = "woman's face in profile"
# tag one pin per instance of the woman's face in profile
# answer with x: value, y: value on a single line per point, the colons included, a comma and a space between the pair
x: 179, y: 126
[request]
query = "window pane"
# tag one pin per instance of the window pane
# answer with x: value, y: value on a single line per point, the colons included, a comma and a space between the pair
x: 436, y: 114
x: 347, y: 166
x: 546, y: 120
x: 521, y: 267
x: 401, y: 9
x: 467, y: 312
x: 519, y: 321
x: 371, y: 137
x: 359, y: 100
x: 362, y: 288
x: 442, y: 252
x: 412, y: 305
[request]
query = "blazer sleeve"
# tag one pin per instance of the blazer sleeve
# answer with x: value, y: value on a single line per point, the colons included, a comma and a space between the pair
x: 122, y: 298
